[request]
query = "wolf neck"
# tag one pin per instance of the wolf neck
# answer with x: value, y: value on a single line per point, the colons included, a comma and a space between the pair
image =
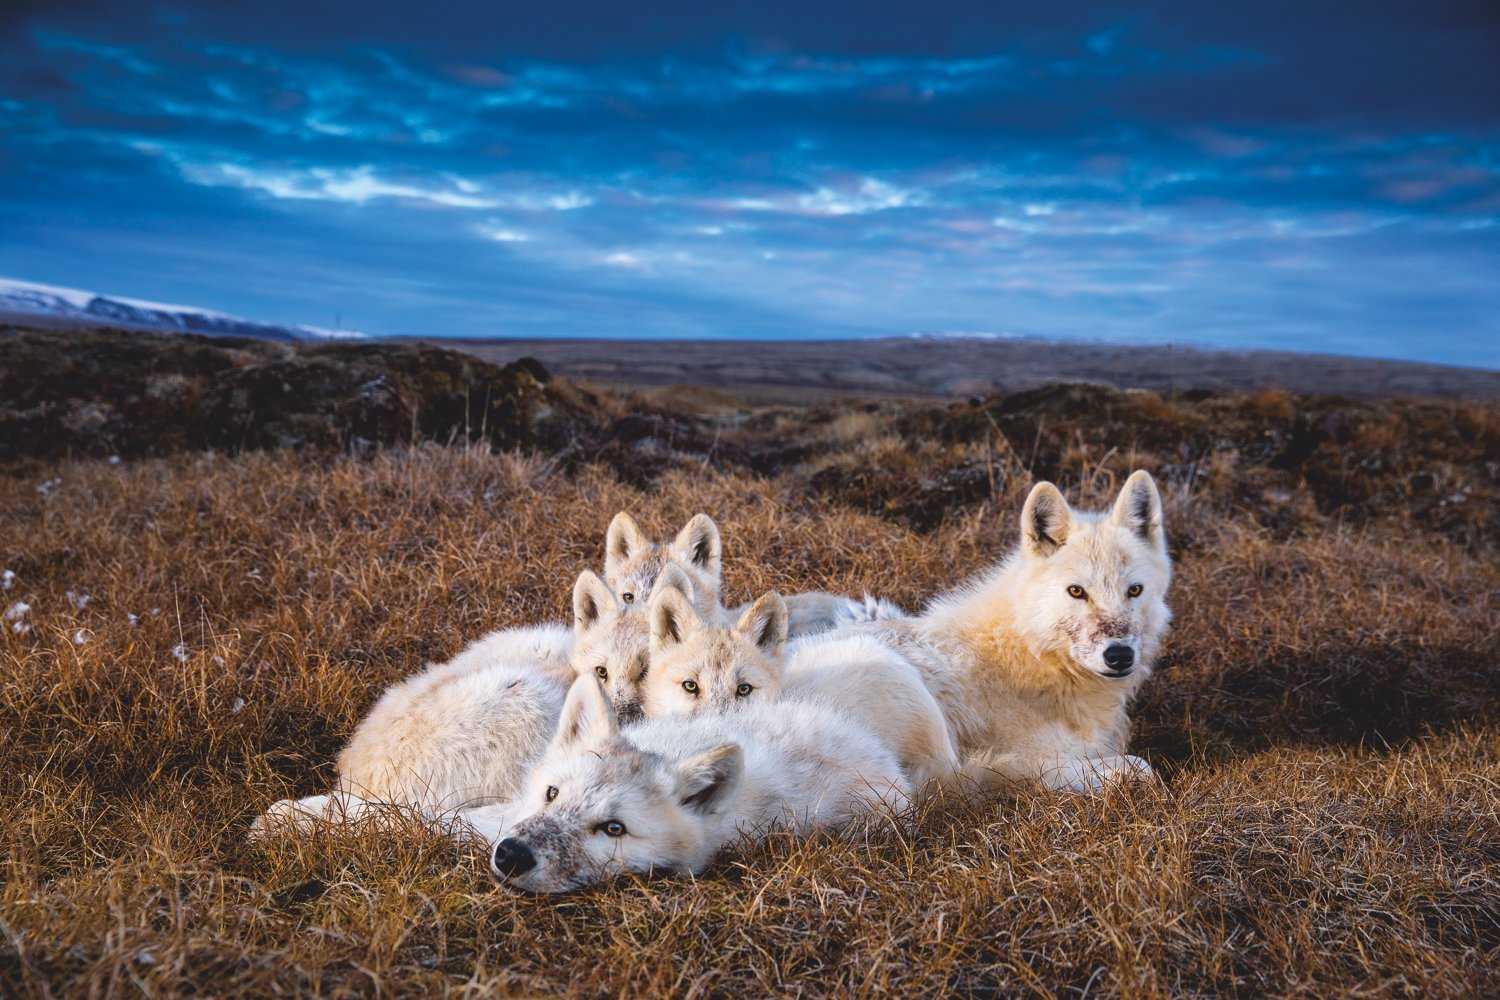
x: 1011, y: 656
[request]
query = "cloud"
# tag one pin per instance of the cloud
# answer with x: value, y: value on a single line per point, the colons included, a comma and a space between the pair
x: 1054, y: 184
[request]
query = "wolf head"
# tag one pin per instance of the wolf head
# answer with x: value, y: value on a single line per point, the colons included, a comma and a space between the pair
x: 632, y: 562
x: 700, y: 666
x: 612, y: 638
x: 596, y: 805
x: 1095, y: 585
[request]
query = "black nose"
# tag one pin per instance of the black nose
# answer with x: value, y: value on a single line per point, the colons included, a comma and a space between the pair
x: 512, y: 858
x: 1119, y: 658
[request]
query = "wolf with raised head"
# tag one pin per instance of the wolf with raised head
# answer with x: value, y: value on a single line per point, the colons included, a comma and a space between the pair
x: 1035, y: 663
x: 667, y: 794
x: 698, y: 666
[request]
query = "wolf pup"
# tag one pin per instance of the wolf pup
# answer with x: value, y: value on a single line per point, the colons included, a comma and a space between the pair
x: 669, y: 793
x: 698, y: 666
x: 1035, y: 663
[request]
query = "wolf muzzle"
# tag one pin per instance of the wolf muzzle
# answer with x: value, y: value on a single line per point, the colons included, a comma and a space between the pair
x: 511, y: 858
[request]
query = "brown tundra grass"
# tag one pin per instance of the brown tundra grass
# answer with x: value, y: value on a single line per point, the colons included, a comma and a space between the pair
x: 204, y: 632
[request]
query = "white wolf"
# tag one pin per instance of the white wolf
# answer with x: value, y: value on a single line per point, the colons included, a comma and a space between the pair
x: 668, y: 793
x: 1035, y: 663
x: 462, y: 734
x: 612, y: 640
x: 698, y: 666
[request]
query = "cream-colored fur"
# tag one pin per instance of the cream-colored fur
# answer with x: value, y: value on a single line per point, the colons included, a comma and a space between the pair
x: 669, y: 793
x: 458, y: 735
x: 1018, y: 661
x: 699, y: 667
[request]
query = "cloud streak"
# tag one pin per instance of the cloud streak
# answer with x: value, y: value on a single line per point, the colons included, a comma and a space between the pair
x: 1053, y: 186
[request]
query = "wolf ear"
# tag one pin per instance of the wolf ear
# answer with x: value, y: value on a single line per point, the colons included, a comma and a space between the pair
x: 673, y: 577
x: 588, y: 719
x: 1138, y: 508
x: 673, y: 618
x: 622, y: 542
x: 706, y: 783
x: 1044, y: 521
x: 592, y: 600
x: 765, y: 623
x: 698, y: 544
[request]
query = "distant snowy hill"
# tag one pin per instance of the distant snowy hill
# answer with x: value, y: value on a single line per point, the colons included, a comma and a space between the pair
x: 23, y: 300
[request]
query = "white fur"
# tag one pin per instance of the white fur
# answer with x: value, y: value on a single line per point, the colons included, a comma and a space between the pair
x: 684, y: 788
x: 698, y: 667
x: 1017, y: 663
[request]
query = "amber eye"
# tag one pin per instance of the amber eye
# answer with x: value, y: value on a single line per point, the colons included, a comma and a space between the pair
x: 628, y: 597
x: 613, y: 828
x: 1134, y: 591
x: 603, y: 672
x: 551, y: 792
x: 1077, y: 592
x: 691, y: 687
x: 743, y: 690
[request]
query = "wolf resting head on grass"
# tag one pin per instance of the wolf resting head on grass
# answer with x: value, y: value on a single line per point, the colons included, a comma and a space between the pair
x: 668, y: 793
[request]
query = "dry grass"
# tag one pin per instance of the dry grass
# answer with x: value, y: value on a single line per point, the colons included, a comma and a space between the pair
x: 1326, y: 719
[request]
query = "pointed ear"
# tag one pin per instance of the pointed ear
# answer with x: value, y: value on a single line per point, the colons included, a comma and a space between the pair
x: 592, y: 600
x: 706, y: 783
x: 672, y: 577
x: 622, y: 542
x: 1044, y: 521
x: 673, y: 618
x: 588, y: 719
x: 698, y: 544
x: 1138, y: 508
x: 765, y: 623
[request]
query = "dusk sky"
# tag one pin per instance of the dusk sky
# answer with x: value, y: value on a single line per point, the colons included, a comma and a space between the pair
x: 1306, y: 175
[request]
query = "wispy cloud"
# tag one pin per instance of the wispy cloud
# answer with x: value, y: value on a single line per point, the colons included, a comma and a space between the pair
x: 1056, y: 187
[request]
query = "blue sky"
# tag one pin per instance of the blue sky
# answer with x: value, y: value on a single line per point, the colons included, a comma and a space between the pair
x: 1298, y: 175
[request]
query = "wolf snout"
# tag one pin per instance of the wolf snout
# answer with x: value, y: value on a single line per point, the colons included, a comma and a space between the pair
x: 512, y: 858
x: 1119, y: 658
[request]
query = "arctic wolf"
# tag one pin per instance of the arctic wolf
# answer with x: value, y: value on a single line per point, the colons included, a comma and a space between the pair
x: 632, y: 562
x: 458, y: 735
x: 462, y: 734
x: 611, y: 633
x: 702, y: 667
x: 668, y: 793
x: 1035, y: 663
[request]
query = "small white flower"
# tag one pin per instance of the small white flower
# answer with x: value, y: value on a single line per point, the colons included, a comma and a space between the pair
x: 79, y: 601
x: 21, y: 628
x: 81, y: 636
x: 114, y: 460
x: 7, y: 579
x: 180, y: 652
x: 237, y: 707
x: 17, y: 611
x: 132, y: 619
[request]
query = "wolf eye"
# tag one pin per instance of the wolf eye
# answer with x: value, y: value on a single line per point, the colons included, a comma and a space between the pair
x: 691, y: 687
x: 551, y: 792
x: 1134, y: 591
x: 613, y: 828
x: 603, y: 672
x: 628, y: 597
x: 743, y: 690
x: 1077, y: 592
